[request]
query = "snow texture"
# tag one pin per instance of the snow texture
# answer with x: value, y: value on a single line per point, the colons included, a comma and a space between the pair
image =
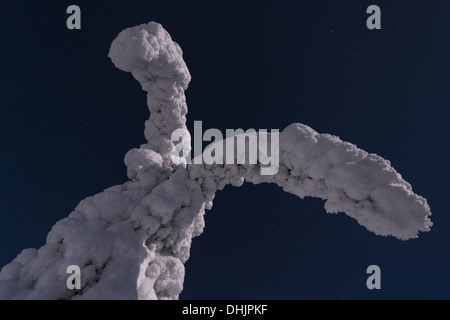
x: 131, y: 241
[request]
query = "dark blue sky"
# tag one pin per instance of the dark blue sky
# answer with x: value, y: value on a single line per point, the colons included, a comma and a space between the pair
x: 67, y: 118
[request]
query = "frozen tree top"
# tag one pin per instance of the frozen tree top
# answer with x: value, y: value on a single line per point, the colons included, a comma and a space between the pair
x: 131, y: 241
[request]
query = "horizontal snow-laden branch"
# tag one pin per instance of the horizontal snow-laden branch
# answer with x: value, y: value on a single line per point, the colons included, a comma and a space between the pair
x: 361, y: 184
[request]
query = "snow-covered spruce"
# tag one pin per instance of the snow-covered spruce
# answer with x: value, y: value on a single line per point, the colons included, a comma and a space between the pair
x: 131, y: 241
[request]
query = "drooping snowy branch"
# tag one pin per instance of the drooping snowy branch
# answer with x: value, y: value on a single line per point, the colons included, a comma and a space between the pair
x: 131, y: 241
x: 362, y: 185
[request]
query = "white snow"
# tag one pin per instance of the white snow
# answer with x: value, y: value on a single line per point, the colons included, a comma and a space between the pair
x: 131, y: 241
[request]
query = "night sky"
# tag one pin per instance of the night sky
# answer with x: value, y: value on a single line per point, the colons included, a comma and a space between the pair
x: 68, y: 117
